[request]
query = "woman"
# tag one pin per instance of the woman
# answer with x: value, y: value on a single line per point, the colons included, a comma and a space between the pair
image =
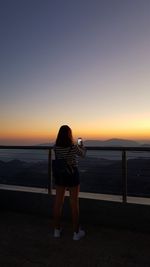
x: 66, y: 149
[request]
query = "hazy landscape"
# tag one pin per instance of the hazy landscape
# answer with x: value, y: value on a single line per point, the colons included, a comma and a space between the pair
x: 100, y: 171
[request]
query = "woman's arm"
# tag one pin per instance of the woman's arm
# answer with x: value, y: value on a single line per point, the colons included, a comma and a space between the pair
x: 80, y: 150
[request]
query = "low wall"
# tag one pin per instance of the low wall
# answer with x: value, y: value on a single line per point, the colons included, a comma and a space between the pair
x: 95, y: 212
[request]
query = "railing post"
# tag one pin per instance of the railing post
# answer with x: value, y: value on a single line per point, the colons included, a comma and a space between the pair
x: 49, y: 171
x: 124, y: 176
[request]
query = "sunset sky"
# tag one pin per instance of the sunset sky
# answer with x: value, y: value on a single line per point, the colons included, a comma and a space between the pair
x: 85, y: 63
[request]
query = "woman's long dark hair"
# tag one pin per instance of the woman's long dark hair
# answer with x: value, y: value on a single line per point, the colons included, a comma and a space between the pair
x: 64, y: 137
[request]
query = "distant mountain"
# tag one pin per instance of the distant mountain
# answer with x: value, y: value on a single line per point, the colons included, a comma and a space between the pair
x: 146, y: 145
x: 93, y: 143
x: 46, y: 144
x: 111, y: 142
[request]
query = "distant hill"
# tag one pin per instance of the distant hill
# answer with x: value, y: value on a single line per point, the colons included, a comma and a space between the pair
x: 146, y: 145
x: 46, y: 144
x: 111, y: 142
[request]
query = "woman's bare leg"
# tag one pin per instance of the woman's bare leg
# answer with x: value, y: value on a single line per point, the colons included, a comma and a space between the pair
x: 58, y: 204
x: 74, y: 201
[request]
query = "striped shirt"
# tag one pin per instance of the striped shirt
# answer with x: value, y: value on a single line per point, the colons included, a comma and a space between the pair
x: 69, y: 153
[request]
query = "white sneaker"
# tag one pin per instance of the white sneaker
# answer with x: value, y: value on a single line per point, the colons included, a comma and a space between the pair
x: 57, y: 233
x: 78, y: 235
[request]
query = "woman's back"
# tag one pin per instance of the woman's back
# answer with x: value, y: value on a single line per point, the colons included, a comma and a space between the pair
x: 69, y: 153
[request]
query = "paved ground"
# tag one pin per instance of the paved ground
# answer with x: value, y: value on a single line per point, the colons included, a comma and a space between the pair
x: 27, y: 241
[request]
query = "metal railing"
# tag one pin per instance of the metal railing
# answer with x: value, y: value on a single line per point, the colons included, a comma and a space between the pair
x: 123, y: 150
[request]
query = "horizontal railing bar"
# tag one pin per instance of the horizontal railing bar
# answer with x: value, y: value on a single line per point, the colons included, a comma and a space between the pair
x: 118, y: 148
x: 107, y: 148
x: 27, y: 147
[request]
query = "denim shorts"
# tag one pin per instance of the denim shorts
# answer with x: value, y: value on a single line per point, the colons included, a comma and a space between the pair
x: 68, y: 181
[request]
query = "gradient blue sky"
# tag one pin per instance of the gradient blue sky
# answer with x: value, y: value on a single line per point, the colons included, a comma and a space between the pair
x: 85, y: 63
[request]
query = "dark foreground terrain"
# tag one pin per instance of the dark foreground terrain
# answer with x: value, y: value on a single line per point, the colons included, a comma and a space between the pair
x: 97, y: 175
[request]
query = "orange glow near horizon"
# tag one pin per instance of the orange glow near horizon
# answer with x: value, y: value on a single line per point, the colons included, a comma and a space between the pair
x: 37, y: 137
x: 134, y: 128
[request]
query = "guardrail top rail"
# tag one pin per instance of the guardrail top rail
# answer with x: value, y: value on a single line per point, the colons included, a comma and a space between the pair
x: 111, y: 148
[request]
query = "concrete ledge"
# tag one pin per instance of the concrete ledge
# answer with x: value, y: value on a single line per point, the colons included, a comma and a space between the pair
x: 111, y: 214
